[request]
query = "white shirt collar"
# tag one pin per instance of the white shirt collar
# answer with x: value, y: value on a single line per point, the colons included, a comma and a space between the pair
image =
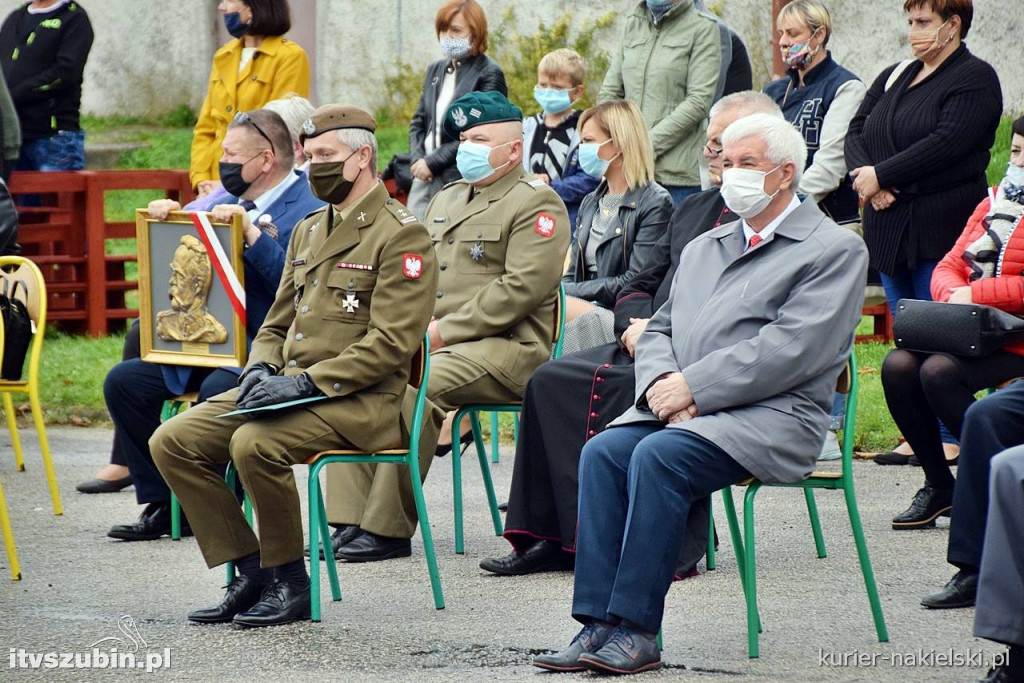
x: 767, y: 230
x: 265, y: 200
x: 46, y: 10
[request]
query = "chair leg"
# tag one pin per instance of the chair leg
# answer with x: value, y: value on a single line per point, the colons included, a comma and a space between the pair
x: 12, y: 427
x: 485, y: 471
x: 737, y: 543
x: 515, y: 427
x: 460, y: 546
x: 8, y: 534
x: 812, y: 512
x: 325, y: 541
x: 711, y: 539
x: 428, y: 537
x: 495, y: 437
x: 865, y: 564
x: 44, y: 448
x: 313, y: 489
x: 176, y: 520
x: 750, y: 581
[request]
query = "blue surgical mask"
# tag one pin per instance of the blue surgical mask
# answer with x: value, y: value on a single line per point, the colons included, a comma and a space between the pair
x: 456, y: 48
x: 552, y: 101
x: 660, y: 4
x: 1015, y: 175
x: 233, y: 23
x: 592, y: 164
x: 474, y: 161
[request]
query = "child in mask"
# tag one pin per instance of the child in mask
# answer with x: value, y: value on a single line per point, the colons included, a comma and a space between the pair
x: 550, y: 138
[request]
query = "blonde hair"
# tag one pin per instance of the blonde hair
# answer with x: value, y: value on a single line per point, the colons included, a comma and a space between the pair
x: 622, y: 121
x: 564, y: 62
x: 811, y: 13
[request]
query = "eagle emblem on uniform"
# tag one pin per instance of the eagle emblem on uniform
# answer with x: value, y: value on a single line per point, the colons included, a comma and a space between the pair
x: 459, y: 117
x: 308, y: 127
x: 545, y: 226
x: 412, y: 266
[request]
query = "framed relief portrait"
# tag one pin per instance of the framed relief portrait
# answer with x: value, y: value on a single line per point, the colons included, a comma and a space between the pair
x: 191, y: 290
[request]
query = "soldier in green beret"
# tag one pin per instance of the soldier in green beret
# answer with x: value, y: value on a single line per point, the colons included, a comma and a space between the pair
x: 352, y: 308
x: 500, y: 236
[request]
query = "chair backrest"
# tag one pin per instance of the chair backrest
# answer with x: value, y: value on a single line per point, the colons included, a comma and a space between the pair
x: 420, y: 363
x: 849, y: 381
x: 559, y: 331
x: 418, y: 374
x: 14, y: 268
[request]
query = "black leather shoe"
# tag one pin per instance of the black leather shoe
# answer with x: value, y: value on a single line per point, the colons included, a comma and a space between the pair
x: 542, y: 556
x: 625, y: 652
x: 960, y: 591
x: 242, y: 593
x: 280, y: 603
x: 928, y: 504
x: 1010, y: 672
x: 367, y: 547
x: 446, y: 448
x: 339, y: 537
x: 590, y: 639
x: 154, y: 522
x: 104, y: 485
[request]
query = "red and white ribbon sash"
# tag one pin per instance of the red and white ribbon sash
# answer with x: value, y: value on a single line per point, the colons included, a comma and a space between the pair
x: 221, y: 263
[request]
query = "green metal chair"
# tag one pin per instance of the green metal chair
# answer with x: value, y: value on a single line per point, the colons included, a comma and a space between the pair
x: 473, y: 410
x: 843, y: 481
x: 319, y: 533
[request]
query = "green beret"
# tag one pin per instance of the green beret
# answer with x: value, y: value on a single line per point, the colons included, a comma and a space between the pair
x: 336, y: 116
x: 477, y: 108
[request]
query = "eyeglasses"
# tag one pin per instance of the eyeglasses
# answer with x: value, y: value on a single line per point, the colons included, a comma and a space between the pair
x: 242, y: 118
x: 712, y: 152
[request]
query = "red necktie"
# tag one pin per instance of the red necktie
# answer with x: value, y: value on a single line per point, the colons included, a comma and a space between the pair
x: 754, y: 241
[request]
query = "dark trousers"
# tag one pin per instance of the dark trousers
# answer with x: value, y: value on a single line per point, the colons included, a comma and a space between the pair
x: 637, y: 483
x: 135, y: 393
x: 1000, y: 607
x: 992, y: 425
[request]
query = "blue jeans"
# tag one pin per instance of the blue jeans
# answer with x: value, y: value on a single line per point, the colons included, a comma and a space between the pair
x: 62, y: 151
x: 681, y: 192
x: 913, y: 284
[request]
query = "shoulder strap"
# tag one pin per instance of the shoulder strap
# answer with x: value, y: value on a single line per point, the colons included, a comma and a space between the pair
x: 897, y: 72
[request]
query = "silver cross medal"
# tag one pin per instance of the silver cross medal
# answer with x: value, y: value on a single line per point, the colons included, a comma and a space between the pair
x: 476, y: 252
x: 351, y: 303
x: 361, y: 217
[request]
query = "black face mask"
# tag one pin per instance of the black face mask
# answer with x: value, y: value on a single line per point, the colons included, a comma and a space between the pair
x: 231, y: 177
x: 327, y: 180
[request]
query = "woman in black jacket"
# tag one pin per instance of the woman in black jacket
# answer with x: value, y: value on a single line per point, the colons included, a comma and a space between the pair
x: 461, y: 28
x: 619, y: 222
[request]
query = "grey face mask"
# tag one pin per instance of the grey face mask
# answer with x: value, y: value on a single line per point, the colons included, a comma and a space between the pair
x: 456, y: 48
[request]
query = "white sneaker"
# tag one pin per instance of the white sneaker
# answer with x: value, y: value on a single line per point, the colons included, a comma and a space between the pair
x: 831, y: 449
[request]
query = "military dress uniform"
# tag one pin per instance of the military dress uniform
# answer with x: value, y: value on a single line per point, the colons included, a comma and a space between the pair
x: 500, y: 250
x: 352, y: 308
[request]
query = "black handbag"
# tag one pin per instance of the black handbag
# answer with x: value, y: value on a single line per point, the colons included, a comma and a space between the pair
x: 399, y: 168
x: 18, y: 330
x: 960, y: 329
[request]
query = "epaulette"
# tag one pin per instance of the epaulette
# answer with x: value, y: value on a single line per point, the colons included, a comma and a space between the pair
x: 400, y: 212
x: 536, y: 182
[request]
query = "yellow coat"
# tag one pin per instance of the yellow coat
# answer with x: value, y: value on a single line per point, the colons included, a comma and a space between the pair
x: 279, y: 67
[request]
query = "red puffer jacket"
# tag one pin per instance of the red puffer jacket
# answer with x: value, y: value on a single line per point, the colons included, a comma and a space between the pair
x: 1005, y: 292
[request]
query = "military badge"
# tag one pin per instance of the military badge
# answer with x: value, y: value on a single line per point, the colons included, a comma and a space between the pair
x: 459, y: 117
x: 412, y: 266
x: 545, y: 226
x: 476, y: 252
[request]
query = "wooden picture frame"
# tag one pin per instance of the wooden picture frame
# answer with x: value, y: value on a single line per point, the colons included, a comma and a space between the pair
x: 186, y: 315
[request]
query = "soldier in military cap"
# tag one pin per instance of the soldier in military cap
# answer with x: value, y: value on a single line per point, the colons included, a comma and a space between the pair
x: 353, y: 305
x: 501, y: 237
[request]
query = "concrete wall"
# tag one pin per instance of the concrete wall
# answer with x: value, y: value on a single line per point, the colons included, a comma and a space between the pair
x: 149, y: 57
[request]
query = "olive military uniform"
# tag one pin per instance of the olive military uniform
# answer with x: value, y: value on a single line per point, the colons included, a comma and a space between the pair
x: 500, y: 250
x: 351, y: 310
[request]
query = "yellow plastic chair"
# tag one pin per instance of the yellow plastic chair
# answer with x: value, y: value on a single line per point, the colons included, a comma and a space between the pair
x: 18, y: 268
x: 8, y: 534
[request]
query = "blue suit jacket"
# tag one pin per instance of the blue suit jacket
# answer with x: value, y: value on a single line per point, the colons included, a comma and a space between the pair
x: 264, y: 262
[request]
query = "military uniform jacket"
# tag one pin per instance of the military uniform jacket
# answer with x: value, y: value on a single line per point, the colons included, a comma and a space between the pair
x: 500, y: 250
x: 351, y: 310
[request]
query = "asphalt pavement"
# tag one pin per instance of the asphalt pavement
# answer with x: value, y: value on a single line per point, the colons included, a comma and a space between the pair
x: 81, y: 588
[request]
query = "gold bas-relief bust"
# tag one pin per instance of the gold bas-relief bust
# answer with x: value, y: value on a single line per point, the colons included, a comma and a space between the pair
x: 188, y: 320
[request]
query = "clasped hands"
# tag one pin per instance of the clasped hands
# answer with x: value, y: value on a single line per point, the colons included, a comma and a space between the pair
x: 865, y: 182
x: 671, y: 400
x: 260, y: 386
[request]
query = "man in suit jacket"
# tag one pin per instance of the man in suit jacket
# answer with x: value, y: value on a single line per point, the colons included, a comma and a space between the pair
x: 500, y: 236
x: 734, y: 378
x: 351, y: 311
x: 271, y: 197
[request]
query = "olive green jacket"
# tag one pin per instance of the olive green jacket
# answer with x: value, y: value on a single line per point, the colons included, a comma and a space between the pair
x: 351, y: 310
x: 670, y: 70
x: 500, y: 250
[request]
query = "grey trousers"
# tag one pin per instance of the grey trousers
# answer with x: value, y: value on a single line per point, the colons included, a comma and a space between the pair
x: 1000, y: 604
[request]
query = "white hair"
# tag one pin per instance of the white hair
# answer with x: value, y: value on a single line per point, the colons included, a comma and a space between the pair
x: 293, y: 110
x: 747, y: 102
x: 783, y: 143
x: 354, y: 138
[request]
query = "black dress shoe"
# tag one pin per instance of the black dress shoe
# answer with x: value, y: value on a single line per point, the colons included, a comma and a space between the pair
x: 104, y: 485
x: 960, y: 591
x: 928, y: 503
x: 590, y: 639
x: 1012, y: 671
x: 625, y: 652
x: 892, y: 458
x: 367, y: 547
x: 242, y: 593
x: 339, y: 537
x: 154, y: 522
x: 280, y: 603
x: 446, y: 448
x: 542, y: 556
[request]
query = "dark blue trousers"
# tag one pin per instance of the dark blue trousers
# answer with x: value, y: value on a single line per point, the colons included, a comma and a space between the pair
x: 637, y: 483
x: 135, y: 393
x: 991, y: 425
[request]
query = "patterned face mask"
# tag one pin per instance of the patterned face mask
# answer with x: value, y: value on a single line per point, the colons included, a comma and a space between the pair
x: 800, y: 55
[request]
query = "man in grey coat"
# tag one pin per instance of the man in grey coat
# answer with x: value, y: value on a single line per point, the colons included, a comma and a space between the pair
x: 734, y: 378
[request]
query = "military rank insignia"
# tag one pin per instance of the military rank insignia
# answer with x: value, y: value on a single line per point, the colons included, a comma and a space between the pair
x: 412, y: 266
x: 545, y: 226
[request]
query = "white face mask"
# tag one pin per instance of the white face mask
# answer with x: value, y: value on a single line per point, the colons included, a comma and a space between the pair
x: 743, y: 191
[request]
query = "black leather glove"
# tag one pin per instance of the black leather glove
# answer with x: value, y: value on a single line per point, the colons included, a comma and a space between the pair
x: 251, y: 377
x: 279, y: 389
